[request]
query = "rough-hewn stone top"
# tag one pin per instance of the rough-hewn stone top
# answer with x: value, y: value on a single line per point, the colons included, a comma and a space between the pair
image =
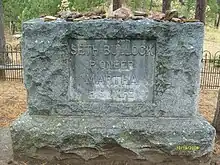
x: 53, y: 74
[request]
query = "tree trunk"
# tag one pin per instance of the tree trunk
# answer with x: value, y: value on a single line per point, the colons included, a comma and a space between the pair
x: 200, y: 10
x: 182, y: 2
x: 166, y: 5
x: 216, y: 121
x: 2, y: 41
x: 217, y: 21
x: 117, y: 4
x: 151, y: 4
x: 144, y: 5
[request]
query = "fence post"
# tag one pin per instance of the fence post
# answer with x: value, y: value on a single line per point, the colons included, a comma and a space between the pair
x: 2, y: 71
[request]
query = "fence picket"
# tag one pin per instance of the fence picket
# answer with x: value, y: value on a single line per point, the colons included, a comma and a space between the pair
x: 11, y: 65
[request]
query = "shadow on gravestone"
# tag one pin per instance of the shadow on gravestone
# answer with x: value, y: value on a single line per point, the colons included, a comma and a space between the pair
x: 110, y: 90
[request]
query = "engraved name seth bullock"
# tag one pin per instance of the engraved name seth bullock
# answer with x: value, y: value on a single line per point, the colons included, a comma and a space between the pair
x: 131, y: 50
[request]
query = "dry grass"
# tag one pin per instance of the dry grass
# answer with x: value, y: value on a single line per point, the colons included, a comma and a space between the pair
x: 207, y: 103
x: 207, y: 107
x: 212, y: 40
x: 12, y: 101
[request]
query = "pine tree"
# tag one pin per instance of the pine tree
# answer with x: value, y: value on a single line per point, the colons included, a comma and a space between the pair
x: 166, y: 5
x: 200, y: 10
x: 2, y: 40
x: 117, y: 4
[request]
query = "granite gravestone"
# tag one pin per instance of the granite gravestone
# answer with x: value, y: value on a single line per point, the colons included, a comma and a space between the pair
x: 101, y: 91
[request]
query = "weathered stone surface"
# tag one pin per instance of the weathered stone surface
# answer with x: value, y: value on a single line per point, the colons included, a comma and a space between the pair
x: 5, y: 146
x: 170, y: 72
x: 154, y: 140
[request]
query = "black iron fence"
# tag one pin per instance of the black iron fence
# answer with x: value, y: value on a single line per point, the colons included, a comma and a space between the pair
x: 11, y: 67
x: 210, y: 74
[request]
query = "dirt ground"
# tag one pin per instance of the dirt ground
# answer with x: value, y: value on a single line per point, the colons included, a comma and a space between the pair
x: 12, y: 101
x: 207, y: 103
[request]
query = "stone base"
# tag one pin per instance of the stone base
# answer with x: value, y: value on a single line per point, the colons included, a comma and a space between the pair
x: 114, y: 141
